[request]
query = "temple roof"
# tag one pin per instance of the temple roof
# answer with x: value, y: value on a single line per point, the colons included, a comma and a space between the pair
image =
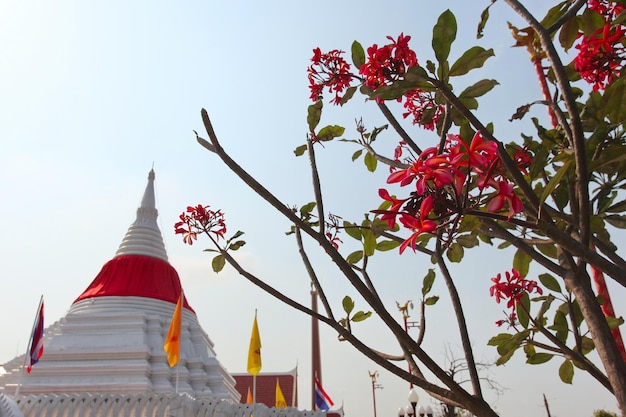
x: 140, y: 267
x: 266, y: 387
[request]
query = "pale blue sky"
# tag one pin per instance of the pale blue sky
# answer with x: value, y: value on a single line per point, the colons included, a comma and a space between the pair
x: 91, y: 95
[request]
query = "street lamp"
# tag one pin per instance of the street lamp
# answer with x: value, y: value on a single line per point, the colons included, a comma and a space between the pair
x: 409, y: 411
x: 429, y: 411
x: 375, y: 386
x: 421, y: 412
x: 401, y: 412
x: 413, y: 399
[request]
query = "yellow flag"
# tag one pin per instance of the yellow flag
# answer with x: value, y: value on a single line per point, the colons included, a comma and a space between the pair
x: 254, y: 352
x: 280, y: 398
x: 249, y: 399
x: 172, y: 341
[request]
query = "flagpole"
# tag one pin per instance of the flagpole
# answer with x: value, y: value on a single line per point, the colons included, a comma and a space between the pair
x: 177, y: 366
x: 182, y: 297
x: 32, y: 333
x: 254, y: 389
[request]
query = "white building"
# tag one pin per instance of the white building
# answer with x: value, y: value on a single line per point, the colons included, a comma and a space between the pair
x: 105, y: 357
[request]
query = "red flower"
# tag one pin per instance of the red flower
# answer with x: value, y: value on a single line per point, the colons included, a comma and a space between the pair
x: 416, y: 102
x: 200, y: 219
x: 505, y: 195
x: 330, y: 71
x: 430, y: 169
x: 599, y: 60
x: 390, y: 215
x: 609, y: 9
x: 479, y: 155
x: 418, y: 224
x: 388, y: 63
x: 512, y: 288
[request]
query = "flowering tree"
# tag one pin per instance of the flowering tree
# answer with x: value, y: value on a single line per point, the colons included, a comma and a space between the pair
x: 550, y: 196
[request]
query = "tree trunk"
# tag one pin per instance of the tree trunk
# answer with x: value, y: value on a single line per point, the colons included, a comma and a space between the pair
x: 608, y: 352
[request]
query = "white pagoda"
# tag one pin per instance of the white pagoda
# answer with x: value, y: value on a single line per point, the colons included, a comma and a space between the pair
x: 105, y: 357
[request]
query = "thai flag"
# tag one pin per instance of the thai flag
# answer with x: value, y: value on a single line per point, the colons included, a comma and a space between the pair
x: 35, y: 347
x: 322, y: 400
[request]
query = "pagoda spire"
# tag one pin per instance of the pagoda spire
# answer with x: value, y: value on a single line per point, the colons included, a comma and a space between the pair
x: 143, y: 236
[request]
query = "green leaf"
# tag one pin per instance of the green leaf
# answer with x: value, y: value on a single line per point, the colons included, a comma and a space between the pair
x: 358, y: 55
x: 473, y: 58
x: 360, y: 316
x: 484, y: 16
x: 376, y: 131
x: 522, y: 309
x: 218, y: 263
x: 308, y: 207
x: 236, y: 245
x: 385, y: 245
x: 431, y: 300
x: 370, y: 162
x: 614, y: 322
x: 395, y: 90
x: 428, y: 281
x: 352, y: 230
x: 521, y: 262
x: 444, y: 33
x: 617, y: 207
x: 614, y: 101
x: 418, y: 75
x: 330, y: 132
x: 467, y: 240
x: 539, y: 358
x: 348, y: 304
x: 237, y: 234
x: 568, y: 33
x: 314, y: 114
x: 566, y: 372
x: 616, y: 220
x: 455, y: 252
x: 548, y: 249
x: 347, y: 96
x: 354, y: 257
x: 356, y: 155
x: 587, y: 345
x: 561, y: 326
x: 555, y: 180
x: 544, y: 307
x: 369, y: 242
x: 499, y: 339
x: 505, y: 358
x: 478, y: 89
x: 300, y: 150
x: 550, y: 282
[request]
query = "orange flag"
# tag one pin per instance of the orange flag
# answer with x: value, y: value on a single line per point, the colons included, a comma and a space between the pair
x: 172, y: 341
x: 249, y: 399
x: 254, y: 352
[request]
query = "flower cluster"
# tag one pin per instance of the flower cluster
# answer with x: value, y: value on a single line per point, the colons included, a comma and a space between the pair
x: 388, y: 63
x: 329, y: 70
x: 443, y: 180
x: 511, y: 289
x: 600, y: 56
x: 200, y: 219
x: 417, y: 102
x: 383, y: 66
x: 609, y: 9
